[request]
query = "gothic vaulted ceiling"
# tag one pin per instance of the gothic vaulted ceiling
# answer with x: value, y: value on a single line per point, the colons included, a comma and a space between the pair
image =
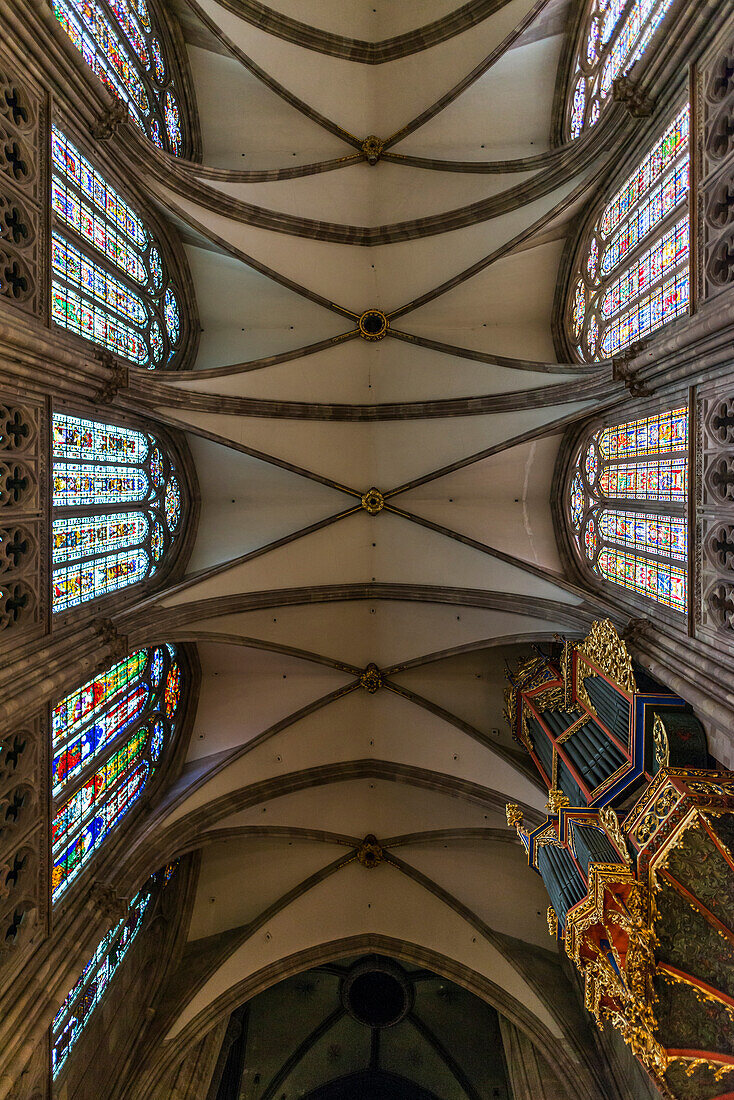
x: 455, y: 416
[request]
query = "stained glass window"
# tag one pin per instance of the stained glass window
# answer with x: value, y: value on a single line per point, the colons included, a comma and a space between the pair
x: 119, y: 42
x: 631, y: 273
x: 627, y: 502
x: 109, y: 281
x: 117, y: 509
x: 108, y: 737
x: 80, y: 1002
x: 614, y: 36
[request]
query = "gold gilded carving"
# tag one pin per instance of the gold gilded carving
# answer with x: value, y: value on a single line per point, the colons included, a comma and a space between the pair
x: 510, y: 711
x: 514, y: 815
x: 371, y: 679
x: 621, y: 994
x: 556, y: 799
x: 370, y: 852
x: 720, y: 1069
x: 660, y: 741
x: 372, y: 148
x: 610, y: 821
x: 607, y: 651
x: 552, y: 919
x: 660, y: 809
x: 373, y: 501
x: 566, y: 672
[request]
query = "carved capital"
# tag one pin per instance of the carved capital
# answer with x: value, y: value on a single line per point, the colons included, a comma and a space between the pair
x: 634, y: 629
x: 628, y: 93
x: 116, y: 643
x: 110, y: 122
x: 623, y: 371
x: 105, y: 900
x: 118, y: 380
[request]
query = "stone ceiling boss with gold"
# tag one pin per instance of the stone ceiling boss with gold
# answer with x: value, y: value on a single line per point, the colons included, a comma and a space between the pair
x: 366, y: 550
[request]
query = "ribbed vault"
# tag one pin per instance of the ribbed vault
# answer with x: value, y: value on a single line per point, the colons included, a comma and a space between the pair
x: 352, y: 657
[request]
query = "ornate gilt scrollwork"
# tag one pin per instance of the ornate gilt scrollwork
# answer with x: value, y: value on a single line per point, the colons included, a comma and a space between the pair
x: 660, y: 744
x: 605, y: 649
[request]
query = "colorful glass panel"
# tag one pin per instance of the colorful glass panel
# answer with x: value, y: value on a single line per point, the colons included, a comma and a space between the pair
x: 110, y: 284
x: 86, y: 993
x: 615, y: 36
x: 117, y: 41
x: 617, y: 472
x: 661, y: 157
x: 95, y: 553
x: 660, y: 434
x: 666, y: 584
x: 633, y: 272
x: 108, y: 737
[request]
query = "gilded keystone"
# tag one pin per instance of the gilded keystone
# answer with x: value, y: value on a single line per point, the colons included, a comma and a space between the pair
x: 373, y: 501
x: 371, y: 679
x: 372, y: 148
x: 370, y: 852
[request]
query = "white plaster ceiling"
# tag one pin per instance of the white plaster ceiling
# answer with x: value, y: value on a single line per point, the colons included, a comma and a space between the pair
x: 292, y: 588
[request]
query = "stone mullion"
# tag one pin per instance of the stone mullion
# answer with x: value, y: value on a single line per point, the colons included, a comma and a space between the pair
x: 28, y: 1007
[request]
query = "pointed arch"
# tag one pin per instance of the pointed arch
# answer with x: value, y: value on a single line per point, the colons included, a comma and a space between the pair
x: 624, y: 509
x: 630, y: 274
x: 130, y: 47
x: 114, y: 280
x: 613, y: 35
x: 110, y: 737
x: 122, y: 510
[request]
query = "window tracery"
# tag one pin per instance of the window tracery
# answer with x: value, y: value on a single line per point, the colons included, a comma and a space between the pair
x: 627, y: 502
x: 615, y: 34
x: 631, y: 274
x: 122, y: 44
x: 108, y: 738
x: 117, y: 509
x: 79, y: 1004
x: 110, y: 281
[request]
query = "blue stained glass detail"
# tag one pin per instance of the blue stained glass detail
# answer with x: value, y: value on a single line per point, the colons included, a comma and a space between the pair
x: 86, y: 993
x: 108, y: 739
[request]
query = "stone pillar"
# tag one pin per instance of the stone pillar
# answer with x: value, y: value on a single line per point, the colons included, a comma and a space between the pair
x: 190, y: 1080
x: 531, y: 1078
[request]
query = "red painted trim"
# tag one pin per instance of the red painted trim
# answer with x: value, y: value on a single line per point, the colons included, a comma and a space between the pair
x: 667, y: 969
x: 724, y: 1096
x: 705, y: 913
x: 709, y: 1055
